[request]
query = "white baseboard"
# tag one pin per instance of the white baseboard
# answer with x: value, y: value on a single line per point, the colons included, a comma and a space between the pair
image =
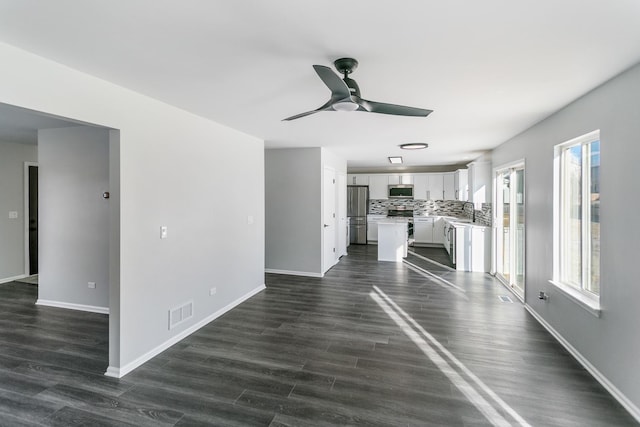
x: 116, y: 372
x: 71, y: 306
x: 293, y: 273
x: 617, y: 394
x: 11, y: 279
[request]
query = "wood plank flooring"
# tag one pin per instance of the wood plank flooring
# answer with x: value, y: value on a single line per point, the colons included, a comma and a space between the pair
x: 371, y: 343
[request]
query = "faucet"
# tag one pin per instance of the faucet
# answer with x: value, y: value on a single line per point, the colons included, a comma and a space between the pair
x: 473, y: 210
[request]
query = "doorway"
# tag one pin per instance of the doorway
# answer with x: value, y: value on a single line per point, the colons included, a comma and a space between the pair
x: 510, y: 227
x: 329, y: 219
x: 31, y: 226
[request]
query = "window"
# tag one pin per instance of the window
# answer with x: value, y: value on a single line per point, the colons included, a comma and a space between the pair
x: 577, y: 217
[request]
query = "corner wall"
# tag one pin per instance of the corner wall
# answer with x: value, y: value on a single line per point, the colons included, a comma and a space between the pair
x: 608, y: 344
x: 174, y: 168
x: 293, y: 211
x: 73, y: 232
x: 12, y: 230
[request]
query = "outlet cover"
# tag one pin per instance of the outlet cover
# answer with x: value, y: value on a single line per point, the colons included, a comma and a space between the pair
x: 213, y: 291
x: 91, y: 285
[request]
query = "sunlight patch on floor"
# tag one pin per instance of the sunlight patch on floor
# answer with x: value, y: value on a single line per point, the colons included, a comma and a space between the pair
x: 478, y: 393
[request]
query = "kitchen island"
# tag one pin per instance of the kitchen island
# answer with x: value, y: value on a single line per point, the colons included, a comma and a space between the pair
x: 393, y: 239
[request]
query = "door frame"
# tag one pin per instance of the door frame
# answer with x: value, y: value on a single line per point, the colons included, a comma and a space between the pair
x: 517, y: 164
x: 25, y: 215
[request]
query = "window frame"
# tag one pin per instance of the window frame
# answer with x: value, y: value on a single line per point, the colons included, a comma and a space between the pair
x: 579, y: 293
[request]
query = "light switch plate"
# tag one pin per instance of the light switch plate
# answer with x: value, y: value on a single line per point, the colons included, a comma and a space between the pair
x: 13, y: 214
x: 163, y: 232
x: 250, y: 219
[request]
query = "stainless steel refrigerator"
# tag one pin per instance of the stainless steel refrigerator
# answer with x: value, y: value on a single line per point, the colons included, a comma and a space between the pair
x: 357, y: 208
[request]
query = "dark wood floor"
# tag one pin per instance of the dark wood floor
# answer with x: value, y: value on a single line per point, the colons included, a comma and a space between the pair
x: 370, y: 344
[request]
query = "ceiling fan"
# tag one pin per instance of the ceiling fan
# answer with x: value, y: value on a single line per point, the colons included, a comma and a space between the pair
x: 345, y: 94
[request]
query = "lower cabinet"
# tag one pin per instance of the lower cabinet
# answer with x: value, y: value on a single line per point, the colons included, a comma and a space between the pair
x: 372, y: 227
x: 423, y: 230
x: 438, y: 230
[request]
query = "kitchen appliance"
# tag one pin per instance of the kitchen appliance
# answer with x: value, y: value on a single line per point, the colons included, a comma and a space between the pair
x: 403, y: 212
x: 450, y: 241
x: 400, y: 191
x: 357, y: 208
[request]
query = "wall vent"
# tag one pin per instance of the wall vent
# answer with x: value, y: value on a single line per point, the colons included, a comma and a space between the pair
x: 505, y: 298
x: 178, y: 315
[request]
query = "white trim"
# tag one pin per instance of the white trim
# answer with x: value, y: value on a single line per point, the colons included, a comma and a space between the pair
x: 71, y: 306
x: 113, y: 371
x: 579, y: 297
x: 511, y: 289
x: 617, y: 394
x: 25, y: 214
x: 11, y: 279
x: 293, y: 273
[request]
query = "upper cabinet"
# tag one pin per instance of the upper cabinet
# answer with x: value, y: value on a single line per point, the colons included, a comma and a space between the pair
x: 479, y: 182
x: 426, y: 186
x: 357, y: 179
x: 420, y: 186
x: 461, y: 185
x: 401, y: 179
x: 448, y: 185
x: 378, y: 186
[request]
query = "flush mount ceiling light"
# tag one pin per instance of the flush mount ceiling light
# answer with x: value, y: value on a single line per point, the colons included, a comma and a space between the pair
x: 414, y: 146
x: 395, y: 160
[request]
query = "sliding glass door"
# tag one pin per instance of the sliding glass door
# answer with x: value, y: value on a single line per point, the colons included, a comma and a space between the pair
x: 510, y: 226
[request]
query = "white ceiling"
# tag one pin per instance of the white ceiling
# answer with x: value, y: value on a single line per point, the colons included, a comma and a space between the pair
x: 20, y: 125
x: 489, y: 69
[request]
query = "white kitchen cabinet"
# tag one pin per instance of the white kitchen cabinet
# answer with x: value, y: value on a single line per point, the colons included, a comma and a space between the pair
x: 420, y: 186
x: 438, y: 230
x: 400, y: 179
x: 479, y: 182
x: 461, y: 184
x: 472, y: 248
x: 423, y: 230
x: 448, y: 184
x: 372, y: 227
x: 435, y: 186
x: 357, y: 179
x: 378, y: 186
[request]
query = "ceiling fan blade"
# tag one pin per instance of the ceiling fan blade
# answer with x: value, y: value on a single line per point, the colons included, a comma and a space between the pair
x: 326, y: 106
x: 338, y: 88
x: 393, y: 109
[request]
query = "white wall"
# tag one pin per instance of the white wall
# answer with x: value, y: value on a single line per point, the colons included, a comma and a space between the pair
x: 199, y: 178
x: 73, y: 229
x: 293, y: 189
x: 609, y: 343
x: 12, y: 250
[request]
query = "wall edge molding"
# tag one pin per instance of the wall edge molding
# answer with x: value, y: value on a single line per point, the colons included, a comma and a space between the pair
x: 293, y: 272
x: 11, y: 279
x: 119, y: 372
x: 604, y: 381
x: 72, y: 306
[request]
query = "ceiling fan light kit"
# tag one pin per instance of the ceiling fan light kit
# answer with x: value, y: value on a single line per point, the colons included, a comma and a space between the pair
x: 345, y: 94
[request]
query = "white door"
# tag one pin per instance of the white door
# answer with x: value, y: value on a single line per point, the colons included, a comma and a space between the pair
x: 341, y: 229
x: 329, y: 219
x: 510, y: 226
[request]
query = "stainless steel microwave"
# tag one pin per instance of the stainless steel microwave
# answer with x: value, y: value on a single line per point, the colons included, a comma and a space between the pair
x: 400, y: 191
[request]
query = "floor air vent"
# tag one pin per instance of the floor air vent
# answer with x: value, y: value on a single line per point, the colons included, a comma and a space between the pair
x: 505, y: 298
x: 180, y: 314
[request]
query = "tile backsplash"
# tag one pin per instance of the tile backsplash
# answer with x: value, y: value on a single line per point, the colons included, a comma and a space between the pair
x: 433, y: 207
